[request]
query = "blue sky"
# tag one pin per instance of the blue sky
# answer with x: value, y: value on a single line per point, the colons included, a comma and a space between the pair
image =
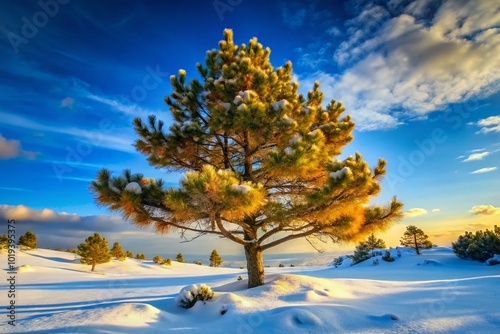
x: 420, y: 78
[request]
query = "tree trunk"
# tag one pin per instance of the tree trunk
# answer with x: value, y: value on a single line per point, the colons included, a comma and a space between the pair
x: 416, y: 244
x: 255, y: 265
x: 93, y: 266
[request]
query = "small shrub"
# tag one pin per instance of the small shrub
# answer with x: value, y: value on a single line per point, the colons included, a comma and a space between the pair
x: 281, y: 265
x: 292, y: 265
x: 240, y: 278
x: 479, y: 246
x: 242, y: 267
x: 158, y: 259
x: 223, y: 309
x: 198, y: 263
x: 167, y: 262
x: 399, y: 253
x: 189, y: 295
x: 387, y: 257
x: 375, y: 262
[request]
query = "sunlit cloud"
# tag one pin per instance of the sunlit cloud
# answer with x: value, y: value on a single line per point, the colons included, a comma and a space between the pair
x: 436, y: 210
x: 400, y: 63
x: 415, y: 212
x: 485, y: 210
x: 10, y: 149
x: 483, y: 170
x: 21, y: 212
x: 490, y: 124
x: 476, y: 156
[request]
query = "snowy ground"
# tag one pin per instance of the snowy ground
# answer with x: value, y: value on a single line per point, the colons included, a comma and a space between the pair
x: 432, y: 293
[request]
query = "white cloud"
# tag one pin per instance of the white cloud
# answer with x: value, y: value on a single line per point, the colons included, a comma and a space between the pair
x: 490, y: 124
x: 436, y: 210
x: 21, y: 212
x: 10, y: 149
x: 477, y: 150
x: 485, y: 210
x: 399, y: 66
x: 484, y: 170
x: 415, y: 212
x: 476, y: 156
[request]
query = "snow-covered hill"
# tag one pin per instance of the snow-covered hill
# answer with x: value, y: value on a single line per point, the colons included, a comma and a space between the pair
x: 432, y: 293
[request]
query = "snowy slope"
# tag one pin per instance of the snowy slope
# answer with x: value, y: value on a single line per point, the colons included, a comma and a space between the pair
x: 432, y: 293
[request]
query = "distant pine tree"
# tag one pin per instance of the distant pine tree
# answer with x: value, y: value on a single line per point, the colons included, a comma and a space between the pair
x: 28, y: 240
x: 215, y: 259
x: 129, y: 254
x: 373, y: 243
x: 415, y: 238
x: 140, y: 256
x: 180, y: 258
x: 94, y: 250
x: 117, y: 252
x: 361, y: 253
x: 158, y: 259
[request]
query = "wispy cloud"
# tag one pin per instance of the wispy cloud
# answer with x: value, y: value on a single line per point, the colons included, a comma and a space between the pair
x: 400, y: 63
x: 476, y: 156
x: 415, y: 212
x: 436, y: 210
x: 11, y: 148
x: 490, y: 124
x: 483, y: 170
x: 485, y: 210
x: 118, y: 139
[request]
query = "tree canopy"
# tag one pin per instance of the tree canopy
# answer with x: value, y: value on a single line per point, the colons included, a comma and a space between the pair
x: 416, y: 238
x: 259, y: 160
x: 117, y: 252
x: 215, y: 259
x: 28, y: 240
x: 94, y: 250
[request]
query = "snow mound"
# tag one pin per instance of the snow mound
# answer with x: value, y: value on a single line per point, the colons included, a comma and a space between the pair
x: 493, y: 260
x: 25, y: 268
x: 432, y: 263
x: 134, y: 187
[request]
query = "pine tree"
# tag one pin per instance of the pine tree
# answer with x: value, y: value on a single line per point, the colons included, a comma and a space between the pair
x: 117, y: 252
x: 180, y: 258
x: 361, y: 253
x: 28, y: 240
x: 215, y: 259
x: 259, y: 159
x: 480, y: 246
x: 94, y: 250
x: 373, y: 243
x: 415, y: 238
x: 129, y: 254
x: 140, y: 256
